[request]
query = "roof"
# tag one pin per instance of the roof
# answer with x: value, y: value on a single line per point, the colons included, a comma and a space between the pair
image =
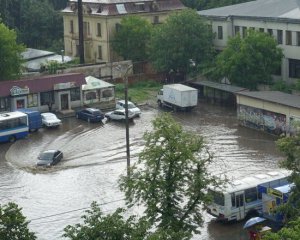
x: 41, y: 84
x: 123, y: 7
x: 286, y: 99
x: 220, y: 86
x: 278, y: 9
x: 95, y: 83
x: 5, y: 116
x: 255, y: 180
x: 31, y: 53
x: 180, y: 87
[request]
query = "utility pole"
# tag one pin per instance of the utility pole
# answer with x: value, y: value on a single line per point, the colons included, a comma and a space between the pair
x: 80, y: 30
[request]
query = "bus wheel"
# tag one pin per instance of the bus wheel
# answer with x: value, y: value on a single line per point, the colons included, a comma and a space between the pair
x: 12, y: 139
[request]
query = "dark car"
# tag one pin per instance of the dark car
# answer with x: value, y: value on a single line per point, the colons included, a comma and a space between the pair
x: 90, y: 115
x: 49, y: 157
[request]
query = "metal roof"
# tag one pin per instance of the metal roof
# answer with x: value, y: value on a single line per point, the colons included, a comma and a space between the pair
x: 281, y: 9
x: 275, y: 97
x: 220, y: 86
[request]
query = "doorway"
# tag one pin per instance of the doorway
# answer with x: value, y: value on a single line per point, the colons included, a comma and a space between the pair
x: 64, y: 101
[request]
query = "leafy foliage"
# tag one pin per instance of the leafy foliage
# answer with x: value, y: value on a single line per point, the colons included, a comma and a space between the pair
x: 249, y: 61
x: 109, y: 227
x: 204, y: 4
x: 131, y: 39
x: 290, y: 232
x: 37, y: 23
x: 13, y: 224
x: 170, y: 179
x: 290, y: 146
x: 10, y: 58
x: 182, y: 38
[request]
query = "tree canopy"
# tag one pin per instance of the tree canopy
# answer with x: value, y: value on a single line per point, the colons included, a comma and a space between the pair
x: 37, y: 23
x: 249, y: 61
x: 13, y: 224
x: 10, y: 54
x: 170, y: 179
x: 183, y: 38
x: 290, y: 147
x: 132, y: 37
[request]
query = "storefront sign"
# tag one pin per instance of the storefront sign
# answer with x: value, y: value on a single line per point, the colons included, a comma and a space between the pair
x: 16, y: 91
x: 60, y: 86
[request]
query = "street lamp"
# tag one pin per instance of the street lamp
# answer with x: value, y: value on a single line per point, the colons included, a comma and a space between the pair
x: 125, y: 69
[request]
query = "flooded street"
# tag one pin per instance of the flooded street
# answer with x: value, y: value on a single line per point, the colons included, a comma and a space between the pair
x: 95, y: 156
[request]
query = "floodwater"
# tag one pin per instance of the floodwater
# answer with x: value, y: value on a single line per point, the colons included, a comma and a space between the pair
x: 95, y: 156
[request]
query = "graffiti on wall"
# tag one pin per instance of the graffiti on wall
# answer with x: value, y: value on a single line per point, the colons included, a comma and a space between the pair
x: 271, y: 122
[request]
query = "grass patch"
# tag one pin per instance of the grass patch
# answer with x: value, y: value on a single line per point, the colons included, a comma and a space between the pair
x: 138, y: 92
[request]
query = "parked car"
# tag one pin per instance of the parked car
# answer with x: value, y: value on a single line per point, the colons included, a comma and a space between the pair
x: 49, y: 157
x: 131, y: 106
x: 119, y: 114
x: 90, y: 115
x: 50, y: 120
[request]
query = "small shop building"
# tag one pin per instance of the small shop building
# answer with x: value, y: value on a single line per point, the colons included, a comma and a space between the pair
x: 46, y: 93
x: 98, y: 92
x: 274, y: 112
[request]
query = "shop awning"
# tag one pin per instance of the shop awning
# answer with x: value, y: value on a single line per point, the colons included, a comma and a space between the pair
x: 95, y: 83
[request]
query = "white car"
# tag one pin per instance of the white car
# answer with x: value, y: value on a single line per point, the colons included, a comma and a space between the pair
x: 50, y: 120
x: 121, y: 105
x: 119, y: 114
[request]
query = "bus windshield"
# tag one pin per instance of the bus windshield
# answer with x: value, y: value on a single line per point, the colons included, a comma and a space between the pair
x: 218, y: 198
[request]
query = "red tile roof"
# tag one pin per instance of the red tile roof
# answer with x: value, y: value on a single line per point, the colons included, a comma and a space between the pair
x: 41, y: 84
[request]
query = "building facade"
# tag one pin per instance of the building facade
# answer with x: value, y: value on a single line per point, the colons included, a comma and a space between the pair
x: 101, y: 19
x: 274, y: 112
x: 281, y: 19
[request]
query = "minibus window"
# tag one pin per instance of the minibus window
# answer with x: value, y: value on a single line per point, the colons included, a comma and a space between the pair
x: 218, y: 198
x: 232, y: 199
x: 251, y: 195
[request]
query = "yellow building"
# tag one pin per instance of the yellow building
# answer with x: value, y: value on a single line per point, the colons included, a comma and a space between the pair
x: 101, y: 19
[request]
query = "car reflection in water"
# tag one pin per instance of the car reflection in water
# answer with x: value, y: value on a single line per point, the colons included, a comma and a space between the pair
x: 49, y: 158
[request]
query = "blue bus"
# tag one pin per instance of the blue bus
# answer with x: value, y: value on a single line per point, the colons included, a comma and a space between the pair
x: 13, y: 126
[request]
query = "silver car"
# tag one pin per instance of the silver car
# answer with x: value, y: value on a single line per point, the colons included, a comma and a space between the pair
x: 119, y: 114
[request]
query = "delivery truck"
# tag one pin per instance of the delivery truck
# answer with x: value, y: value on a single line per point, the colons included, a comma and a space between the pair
x: 178, y: 97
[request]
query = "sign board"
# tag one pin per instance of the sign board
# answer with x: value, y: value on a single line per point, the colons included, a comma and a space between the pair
x: 16, y: 91
x: 67, y: 85
x: 275, y: 193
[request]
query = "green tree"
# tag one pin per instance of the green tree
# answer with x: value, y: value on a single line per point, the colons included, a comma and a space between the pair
x: 131, y: 39
x: 10, y: 58
x: 290, y: 147
x: 110, y: 227
x: 249, y: 61
x: 290, y: 232
x: 13, y: 224
x: 170, y: 179
x: 182, y: 38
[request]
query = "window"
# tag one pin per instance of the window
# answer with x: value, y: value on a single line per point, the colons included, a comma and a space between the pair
x: 288, y: 37
x: 4, y: 104
x: 75, y: 94
x: 236, y: 30
x: 220, y: 32
x: 232, y: 199
x: 156, y: 19
x: 118, y: 26
x: 251, y: 195
x: 90, y: 96
x: 279, y: 36
x: 86, y: 29
x: 294, y: 68
x: 107, y: 93
x: 218, y: 197
x: 270, y: 32
x: 244, y: 29
x: 261, y: 29
x: 99, y: 29
x: 99, y: 52
x: 140, y: 7
x: 71, y: 26
x: 32, y: 100
x: 298, y: 38
x: 46, y: 97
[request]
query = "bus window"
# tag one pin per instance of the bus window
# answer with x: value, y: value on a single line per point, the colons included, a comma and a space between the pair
x: 232, y: 199
x: 218, y: 197
x: 239, y: 200
x: 251, y: 194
